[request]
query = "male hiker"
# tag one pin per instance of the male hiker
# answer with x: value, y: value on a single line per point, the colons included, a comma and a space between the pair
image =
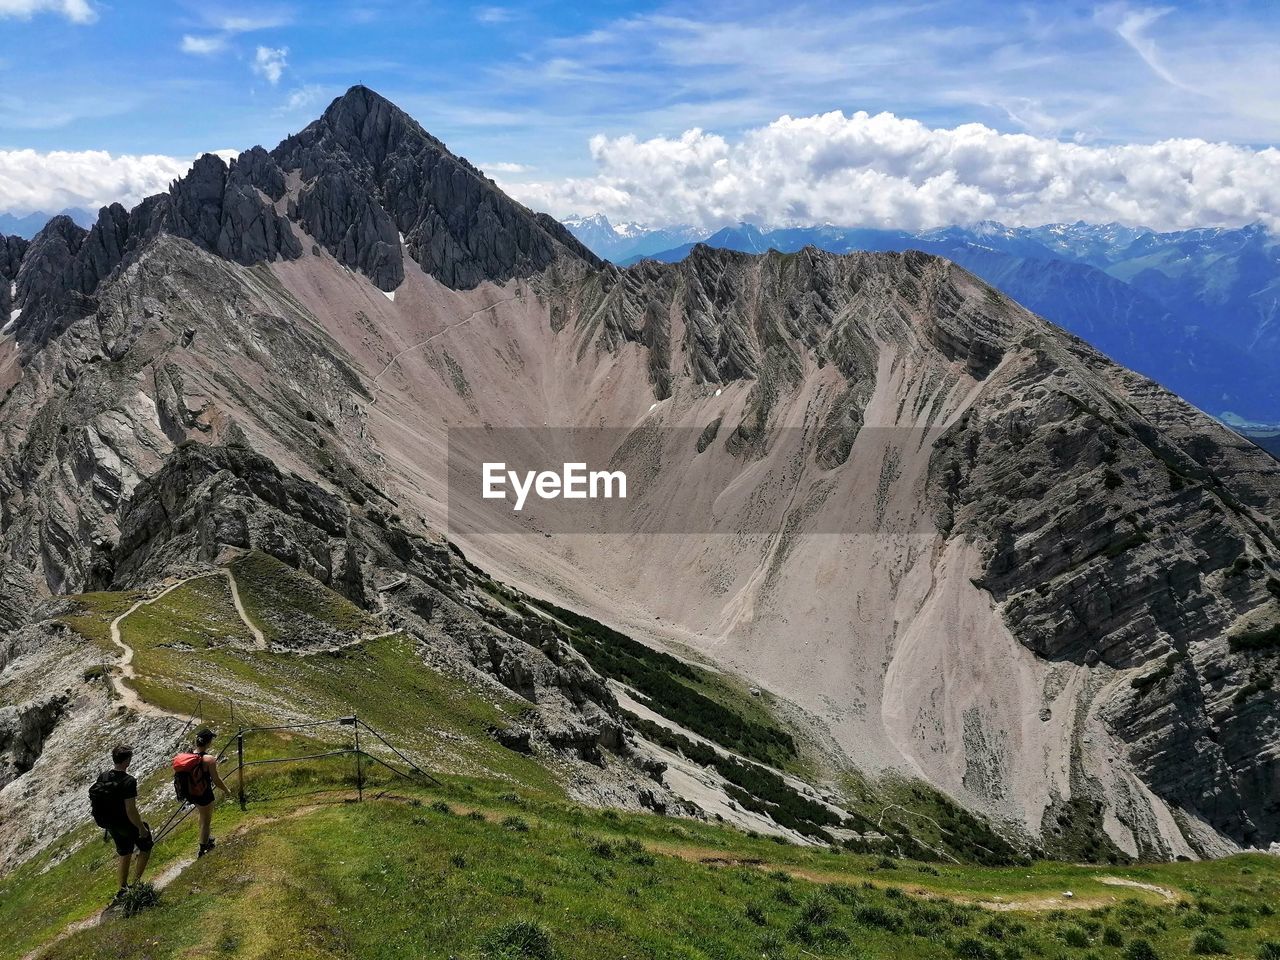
x: 195, y: 774
x: 113, y: 800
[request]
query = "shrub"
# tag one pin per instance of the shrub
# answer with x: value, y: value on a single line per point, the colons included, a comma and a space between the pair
x: 458, y: 860
x: 971, y: 948
x: 842, y: 893
x: 1140, y: 950
x: 518, y: 940
x: 772, y: 945
x: 141, y: 896
x: 441, y: 807
x: 887, y: 863
x: 816, y: 909
x: 1269, y: 950
x: 518, y: 824
x: 1074, y: 936
x: 755, y: 913
x: 1112, y: 937
x: 874, y: 915
x: 994, y: 928
x: 602, y: 849
x: 1209, y: 941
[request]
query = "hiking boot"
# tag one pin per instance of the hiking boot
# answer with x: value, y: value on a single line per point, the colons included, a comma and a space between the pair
x: 206, y: 847
x: 118, y: 898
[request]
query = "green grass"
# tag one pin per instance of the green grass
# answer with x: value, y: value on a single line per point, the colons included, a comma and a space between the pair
x: 92, y: 614
x: 496, y: 863
x: 397, y: 880
x: 290, y: 608
x: 190, y: 646
x: 193, y: 654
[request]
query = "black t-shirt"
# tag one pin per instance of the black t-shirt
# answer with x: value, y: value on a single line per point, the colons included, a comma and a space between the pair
x: 122, y: 787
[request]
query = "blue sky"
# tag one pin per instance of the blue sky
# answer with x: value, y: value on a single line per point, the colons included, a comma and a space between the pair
x: 528, y: 85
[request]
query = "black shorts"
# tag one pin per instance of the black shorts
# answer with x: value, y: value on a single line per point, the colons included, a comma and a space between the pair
x: 203, y: 800
x: 126, y: 837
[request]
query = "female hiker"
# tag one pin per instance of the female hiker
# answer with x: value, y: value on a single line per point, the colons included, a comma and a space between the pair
x: 195, y: 774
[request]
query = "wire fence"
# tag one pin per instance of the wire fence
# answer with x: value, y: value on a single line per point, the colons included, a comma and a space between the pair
x: 354, y: 749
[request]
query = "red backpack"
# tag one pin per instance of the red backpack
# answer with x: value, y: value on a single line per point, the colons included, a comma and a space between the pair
x: 190, y: 776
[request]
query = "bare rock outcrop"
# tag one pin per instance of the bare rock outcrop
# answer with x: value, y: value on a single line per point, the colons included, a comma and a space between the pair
x: 370, y: 172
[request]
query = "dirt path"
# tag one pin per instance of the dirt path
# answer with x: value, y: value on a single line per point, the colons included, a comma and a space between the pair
x: 258, y: 636
x: 1046, y: 901
x: 124, y: 667
x: 1164, y: 892
x: 171, y: 872
x: 440, y: 333
x: 125, y: 670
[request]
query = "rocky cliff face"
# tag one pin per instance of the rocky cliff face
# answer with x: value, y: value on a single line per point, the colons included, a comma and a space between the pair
x: 1055, y: 586
x: 369, y: 172
x: 364, y: 181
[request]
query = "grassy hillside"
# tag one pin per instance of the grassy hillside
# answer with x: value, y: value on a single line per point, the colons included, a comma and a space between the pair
x: 494, y: 863
x: 471, y: 874
x: 192, y: 652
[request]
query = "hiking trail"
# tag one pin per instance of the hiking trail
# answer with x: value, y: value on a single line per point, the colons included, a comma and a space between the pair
x: 124, y: 667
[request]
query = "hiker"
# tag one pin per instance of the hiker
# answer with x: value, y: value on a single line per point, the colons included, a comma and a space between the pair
x: 195, y: 774
x: 113, y: 800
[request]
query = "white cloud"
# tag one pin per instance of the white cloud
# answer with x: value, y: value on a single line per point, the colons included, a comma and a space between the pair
x: 204, y: 45
x: 30, y: 180
x: 494, y: 14
x: 247, y: 24
x: 270, y: 62
x: 1131, y: 25
x: 884, y: 170
x: 300, y: 98
x: 77, y: 11
x: 503, y: 166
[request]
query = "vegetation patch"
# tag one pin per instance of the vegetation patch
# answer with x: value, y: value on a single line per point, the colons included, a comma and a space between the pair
x: 672, y: 688
x: 1261, y: 639
x: 751, y: 785
x: 293, y: 609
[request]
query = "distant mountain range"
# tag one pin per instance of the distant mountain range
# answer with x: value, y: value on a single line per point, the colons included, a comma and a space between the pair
x: 1197, y: 310
x: 622, y: 242
x: 28, y: 225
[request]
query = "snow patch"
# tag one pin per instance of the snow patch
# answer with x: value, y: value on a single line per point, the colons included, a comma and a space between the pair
x: 13, y: 318
x: 718, y: 391
x: 390, y: 295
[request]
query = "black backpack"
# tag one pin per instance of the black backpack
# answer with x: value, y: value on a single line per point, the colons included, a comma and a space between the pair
x: 104, y: 800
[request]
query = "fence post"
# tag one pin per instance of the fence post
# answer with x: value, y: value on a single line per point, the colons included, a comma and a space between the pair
x: 359, y: 768
x: 240, y: 766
